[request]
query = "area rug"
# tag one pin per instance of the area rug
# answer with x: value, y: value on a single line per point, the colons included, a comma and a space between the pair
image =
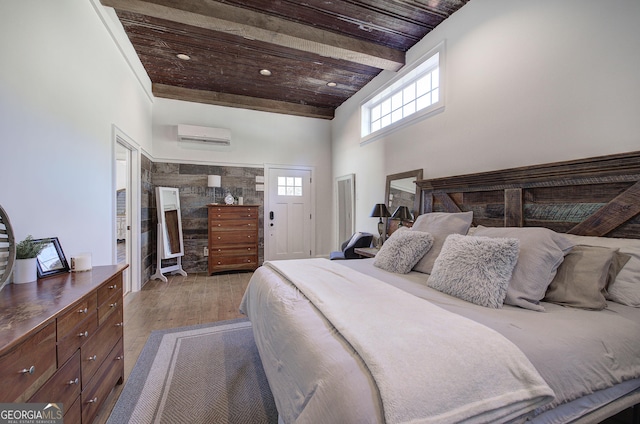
x: 208, y: 373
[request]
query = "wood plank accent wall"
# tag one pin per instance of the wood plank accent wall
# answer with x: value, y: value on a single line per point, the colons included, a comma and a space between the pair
x: 597, y: 196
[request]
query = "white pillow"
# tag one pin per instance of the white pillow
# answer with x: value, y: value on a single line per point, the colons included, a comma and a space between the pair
x: 541, y: 253
x: 439, y: 225
x: 402, y: 250
x: 626, y: 287
x: 475, y: 269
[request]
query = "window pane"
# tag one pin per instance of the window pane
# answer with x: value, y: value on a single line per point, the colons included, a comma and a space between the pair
x: 396, y: 115
x: 289, y: 181
x: 289, y: 191
x: 424, y: 101
x: 281, y: 181
x: 409, y: 93
x: 409, y: 108
x: 281, y: 190
x: 375, y: 126
x: 396, y: 101
x: 298, y: 191
x: 435, y: 95
x: 386, y: 107
x: 298, y: 182
x: 375, y: 113
x: 386, y: 120
x: 436, y: 78
x: 424, y: 85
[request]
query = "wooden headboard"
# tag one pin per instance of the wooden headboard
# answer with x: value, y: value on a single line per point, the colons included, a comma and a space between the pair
x: 596, y: 196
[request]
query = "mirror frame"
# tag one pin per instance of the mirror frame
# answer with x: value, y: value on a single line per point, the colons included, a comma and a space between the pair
x: 163, y: 231
x: 350, y: 180
x: 64, y: 265
x: 417, y: 173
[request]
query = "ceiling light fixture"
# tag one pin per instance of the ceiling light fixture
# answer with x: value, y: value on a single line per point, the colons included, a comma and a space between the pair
x: 265, y: 72
x: 183, y: 56
x: 331, y: 84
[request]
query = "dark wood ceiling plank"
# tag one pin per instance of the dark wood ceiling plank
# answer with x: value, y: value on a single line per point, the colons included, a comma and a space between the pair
x: 245, y: 102
x: 251, y: 25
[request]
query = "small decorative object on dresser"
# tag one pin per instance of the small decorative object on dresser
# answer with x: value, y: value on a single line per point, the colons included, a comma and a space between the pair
x: 7, y: 248
x: 233, y: 237
x: 26, y: 267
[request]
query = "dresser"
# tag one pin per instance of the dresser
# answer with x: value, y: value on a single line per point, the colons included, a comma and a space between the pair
x: 61, y: 341
x: 233, y: 237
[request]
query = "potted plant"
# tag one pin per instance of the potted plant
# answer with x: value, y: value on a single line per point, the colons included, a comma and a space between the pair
x: 27, y: 251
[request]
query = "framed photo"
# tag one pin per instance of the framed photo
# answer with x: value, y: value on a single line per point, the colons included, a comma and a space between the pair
x: 51, y: 260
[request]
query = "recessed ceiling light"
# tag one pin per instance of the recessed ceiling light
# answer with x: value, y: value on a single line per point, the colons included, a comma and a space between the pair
x: 265, y: 72
x: 183, y: 56
x: 331, y: 84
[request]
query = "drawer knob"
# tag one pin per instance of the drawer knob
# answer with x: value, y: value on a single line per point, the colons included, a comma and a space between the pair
x: 219, y: 263
x: 115, y: 286
x: 113, y: 305
x: 92, y: 358
x: 219, y: 238
x: 94, y: 400
x: 120, y: 324
x: 85, y: 334
x: 119, y: 358
x: 73, y: 381
x: 29, y: 370
x: 83, y: 311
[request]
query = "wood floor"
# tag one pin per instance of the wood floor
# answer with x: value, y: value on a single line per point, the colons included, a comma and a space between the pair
x: 195, y: 299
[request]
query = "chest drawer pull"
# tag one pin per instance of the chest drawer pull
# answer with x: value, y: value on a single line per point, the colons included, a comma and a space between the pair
x: 94, y: 400
x: 120, y: 324
x: 83, y: 311
x: 76, y: 381
x: 92, y: 358
x: 113, y: 287
x: 85, y: 334
x: 29, y: 370
x: 119, y: 358
x: 113, y: 305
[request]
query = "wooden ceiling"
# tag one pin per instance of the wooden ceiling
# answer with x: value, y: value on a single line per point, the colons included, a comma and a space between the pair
x: 305, y: 45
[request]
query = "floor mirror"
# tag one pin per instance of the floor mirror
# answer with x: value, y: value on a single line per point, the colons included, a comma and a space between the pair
x: 170, y: 243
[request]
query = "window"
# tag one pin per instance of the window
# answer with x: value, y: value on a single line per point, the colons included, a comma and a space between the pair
x: 414, y: 94
x: 289, y: 186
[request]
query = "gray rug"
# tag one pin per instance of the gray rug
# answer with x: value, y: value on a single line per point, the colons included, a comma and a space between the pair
x: 208, y: 373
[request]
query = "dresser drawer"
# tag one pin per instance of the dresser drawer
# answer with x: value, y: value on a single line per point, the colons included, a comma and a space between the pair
x: 77, y: 313
x: 108, y: 289
x: 218, y: 252
x: 237, y: 238
x: 64, y: 386
x: 26, y: 367
x: 110, y: 372
x: 235, y: 261
x: 72, y: 413
x: 76, y: 337
x: 233, y: 225
x: 221, y: 212
x: 94, y: 351
x: 110, y: 306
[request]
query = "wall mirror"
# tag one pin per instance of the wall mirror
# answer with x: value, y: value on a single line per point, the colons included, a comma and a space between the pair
x: 346, y: 192
x: 169, y: 236
x: 401, y: 190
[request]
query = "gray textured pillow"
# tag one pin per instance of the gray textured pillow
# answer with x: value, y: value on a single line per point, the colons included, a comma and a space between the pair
x: 583, y: 276
x: 475, y: 269
x: 541, y: 253
x: 402, y: 250
x: 439, y: 225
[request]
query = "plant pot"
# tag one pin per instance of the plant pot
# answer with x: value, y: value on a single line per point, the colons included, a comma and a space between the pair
x: 25, y: 271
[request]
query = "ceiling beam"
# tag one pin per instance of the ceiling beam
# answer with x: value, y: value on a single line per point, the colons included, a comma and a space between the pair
x: 216, y: 16
x: 244, y: 102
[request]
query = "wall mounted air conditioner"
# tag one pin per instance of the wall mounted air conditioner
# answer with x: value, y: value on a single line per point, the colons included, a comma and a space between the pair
x: 209, y: 135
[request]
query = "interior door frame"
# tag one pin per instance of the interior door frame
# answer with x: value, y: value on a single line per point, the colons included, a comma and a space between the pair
x: 133, y: 270
x: 267, y: 204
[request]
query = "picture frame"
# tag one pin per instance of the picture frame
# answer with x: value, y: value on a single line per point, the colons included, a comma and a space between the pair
x: 51, y: 260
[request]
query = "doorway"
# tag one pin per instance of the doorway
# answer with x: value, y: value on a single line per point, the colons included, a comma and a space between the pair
x: 126, y: 212
x: 288, y: 213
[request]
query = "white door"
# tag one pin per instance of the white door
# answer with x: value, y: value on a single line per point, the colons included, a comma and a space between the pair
x: 123, y: 211
x: 288, y: 214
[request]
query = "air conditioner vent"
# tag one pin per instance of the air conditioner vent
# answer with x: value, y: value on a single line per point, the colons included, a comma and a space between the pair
x: 209, y: 135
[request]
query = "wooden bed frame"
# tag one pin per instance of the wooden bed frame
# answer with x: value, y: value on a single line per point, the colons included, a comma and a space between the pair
x: 597, y: 196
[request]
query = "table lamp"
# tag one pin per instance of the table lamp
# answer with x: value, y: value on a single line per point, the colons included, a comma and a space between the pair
x: 380, y: 211
x: 402, y: 213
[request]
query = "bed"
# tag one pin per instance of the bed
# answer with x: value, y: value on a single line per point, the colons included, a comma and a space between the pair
x: 547, y: 332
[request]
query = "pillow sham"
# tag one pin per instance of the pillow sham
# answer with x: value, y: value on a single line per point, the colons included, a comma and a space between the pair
x: 625, y: 289
x: 582, y: 279
x: 439, y: 225
x: 541, y: 253
x: 402, y: 250
x: 475, y: 269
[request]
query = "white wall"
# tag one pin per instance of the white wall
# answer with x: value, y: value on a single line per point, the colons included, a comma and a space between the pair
x: 63, y: 84
x: 526, y: 83
x: 258, y: 138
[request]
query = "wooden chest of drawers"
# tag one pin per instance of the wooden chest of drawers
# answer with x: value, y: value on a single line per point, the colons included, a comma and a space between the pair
x: 61, y: 341
x: 233, y: 237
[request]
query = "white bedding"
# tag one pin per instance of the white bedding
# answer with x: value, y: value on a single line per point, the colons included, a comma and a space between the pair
x: 317, y: 377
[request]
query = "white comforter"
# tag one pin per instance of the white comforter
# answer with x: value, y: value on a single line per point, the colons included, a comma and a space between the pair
x: 427, y: 364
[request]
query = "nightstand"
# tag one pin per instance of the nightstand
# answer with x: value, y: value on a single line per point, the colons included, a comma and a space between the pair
x: 367, y: 252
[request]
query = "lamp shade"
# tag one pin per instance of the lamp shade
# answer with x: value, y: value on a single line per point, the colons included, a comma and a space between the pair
x: 380, y: 210
x: 402, y: 213
x: 214, y: 181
